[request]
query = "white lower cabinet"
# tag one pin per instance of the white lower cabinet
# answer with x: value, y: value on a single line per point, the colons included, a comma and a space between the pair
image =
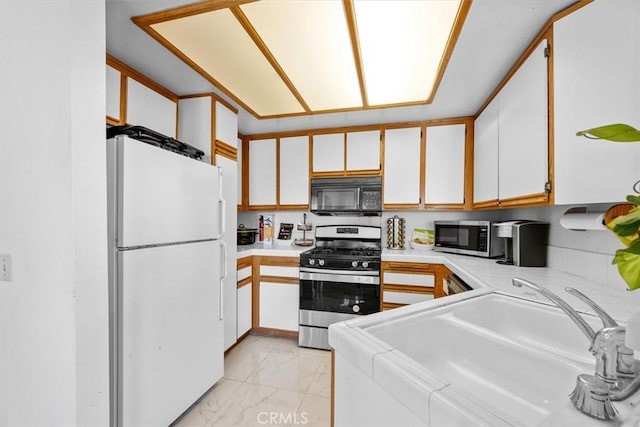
x: 244, y: 309
x: 244, y: 300
x: 279, y: 306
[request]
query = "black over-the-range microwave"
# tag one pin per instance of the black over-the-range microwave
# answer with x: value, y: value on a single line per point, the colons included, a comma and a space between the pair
x: 477, y: 238
x: 347, y: 196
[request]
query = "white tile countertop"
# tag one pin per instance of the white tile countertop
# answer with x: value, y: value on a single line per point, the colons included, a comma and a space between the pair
x: 481, y: 272
x: 422, y: 393
x: 261, y: 249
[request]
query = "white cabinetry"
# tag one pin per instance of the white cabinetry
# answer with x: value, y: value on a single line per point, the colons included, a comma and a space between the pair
x: 363, y: 151
x: 328, y: 153
x: 148, y: 108
x: 294, y: 171
x: 444, y: 165
x: 262, y: 172
x: 523, y: 129
x: 113, y: 77
x: 226, y: 125
x: 596, y: 82
x: 511, y: 149
x: 402, y: 166
x: 485, y: 151
x: 279, y: 300
x: 244, y: 299
x: 194, y: 123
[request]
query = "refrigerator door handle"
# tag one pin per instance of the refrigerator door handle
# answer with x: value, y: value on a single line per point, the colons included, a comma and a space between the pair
x: 222, y: 278
x: 222, y: 206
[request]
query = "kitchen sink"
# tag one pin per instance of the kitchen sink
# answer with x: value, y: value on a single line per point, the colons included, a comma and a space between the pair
x: 514, y: 358
x: 530, y: 323
x: 522, y: 382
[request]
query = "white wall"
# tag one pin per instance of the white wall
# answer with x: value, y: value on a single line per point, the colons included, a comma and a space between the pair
x: 53, y: 315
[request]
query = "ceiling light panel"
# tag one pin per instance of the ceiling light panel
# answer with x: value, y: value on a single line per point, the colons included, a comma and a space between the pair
x: 402, y: 43
x: 219, y: 45
x: 310, y: 41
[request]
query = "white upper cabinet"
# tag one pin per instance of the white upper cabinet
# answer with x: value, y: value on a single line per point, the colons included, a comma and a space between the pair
x: 523, y: 129
x: 596, y: 82
x: 485, y: 152
x: 294, y: 171
x: 262, y: 172
x: 444, y: 166
x: 194, y: 123
x: 402, y: 166
x: 113, y: 93
x: 146, y: 107
x: 328, y: 153
x: 226, y: 125
x: 363, y: 151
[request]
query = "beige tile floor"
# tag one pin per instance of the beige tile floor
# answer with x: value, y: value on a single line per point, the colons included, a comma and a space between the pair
x: 267, y: 381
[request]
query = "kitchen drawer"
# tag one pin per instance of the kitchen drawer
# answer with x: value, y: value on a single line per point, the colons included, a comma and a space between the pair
x: 405, y: 297
x: 426, y: 280
x: 278, y: 271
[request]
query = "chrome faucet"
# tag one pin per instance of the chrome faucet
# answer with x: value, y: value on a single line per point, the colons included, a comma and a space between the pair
x: 616, y: 376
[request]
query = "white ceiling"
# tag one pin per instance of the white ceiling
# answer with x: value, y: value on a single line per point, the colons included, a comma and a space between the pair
x: 494, y: 35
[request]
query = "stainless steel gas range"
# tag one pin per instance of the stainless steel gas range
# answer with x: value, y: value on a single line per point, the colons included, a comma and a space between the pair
x: 339, y: 280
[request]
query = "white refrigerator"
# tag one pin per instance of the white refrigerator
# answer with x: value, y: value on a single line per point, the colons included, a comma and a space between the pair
x: 166, y: 220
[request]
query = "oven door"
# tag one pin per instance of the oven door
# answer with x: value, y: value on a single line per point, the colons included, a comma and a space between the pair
x: 339, y: 291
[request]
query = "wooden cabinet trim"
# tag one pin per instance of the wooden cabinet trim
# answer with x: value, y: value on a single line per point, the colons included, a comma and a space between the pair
x: 407, y: 267
x: 391, y: 305
x: 409, y: 289
x: 130, y: 72
x: 540, y: 199
x: 244, y: 282
x: 224, y: 150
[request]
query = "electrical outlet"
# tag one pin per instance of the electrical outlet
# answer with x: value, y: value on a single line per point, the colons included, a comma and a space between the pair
x: 5, y: 268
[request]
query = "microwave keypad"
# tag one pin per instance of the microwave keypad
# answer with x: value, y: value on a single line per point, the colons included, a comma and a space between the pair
x: 371, y: 200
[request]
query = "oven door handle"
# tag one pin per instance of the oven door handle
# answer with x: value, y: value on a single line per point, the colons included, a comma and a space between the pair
x: 340, y: 272
x: 340, y: 278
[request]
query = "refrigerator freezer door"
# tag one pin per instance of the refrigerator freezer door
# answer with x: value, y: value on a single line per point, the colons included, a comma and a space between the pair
x: 171, y: 335
x: 162, y: 197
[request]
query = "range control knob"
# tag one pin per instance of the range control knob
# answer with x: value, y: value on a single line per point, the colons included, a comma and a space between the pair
x: 354, y: 264
x: 321, y: 262
x: 356, y: 308
x: 312, y: 261
x: 365, y: 264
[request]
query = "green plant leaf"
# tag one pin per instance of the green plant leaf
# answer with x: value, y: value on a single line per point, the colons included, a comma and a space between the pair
x: 628, y: 263
x: 616, y: 132
x: 628, y: 224
x: 633, y: 199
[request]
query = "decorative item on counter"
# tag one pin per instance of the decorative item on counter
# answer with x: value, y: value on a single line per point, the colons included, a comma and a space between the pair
x: 268, y: 228
x: 260, y: 228
x: 422, y: 238
x: 285, y: 231
x: 304, y: 227
x: 284, y: 235
x: 395, y: 232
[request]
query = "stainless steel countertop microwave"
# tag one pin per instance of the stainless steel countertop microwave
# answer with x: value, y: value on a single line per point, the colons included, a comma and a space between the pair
x: 347, y: 196
x: 476, y: 238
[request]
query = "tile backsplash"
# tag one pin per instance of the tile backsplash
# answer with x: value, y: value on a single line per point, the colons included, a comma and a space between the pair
x: 582, y: 253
